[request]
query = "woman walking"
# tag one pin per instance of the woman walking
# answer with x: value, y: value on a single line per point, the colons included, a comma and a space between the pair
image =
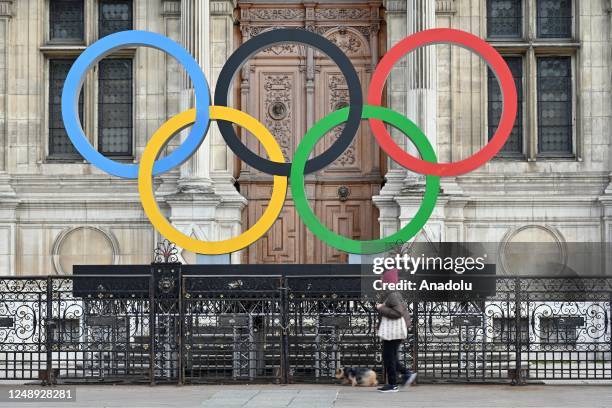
x: 395, y: 320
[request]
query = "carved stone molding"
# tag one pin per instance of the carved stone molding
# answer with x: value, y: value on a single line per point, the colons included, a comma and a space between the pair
x: 396, y: 6
x: 445, y: 7
x: 261, y: 14
x: 6, y: 8
x: 400, y: 6
x: 347, y: 41
x: 342, y: 14
x: 171, y: 8
x: 222, y: 7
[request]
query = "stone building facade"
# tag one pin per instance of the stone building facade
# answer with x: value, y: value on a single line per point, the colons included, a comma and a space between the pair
x: 552, y: 182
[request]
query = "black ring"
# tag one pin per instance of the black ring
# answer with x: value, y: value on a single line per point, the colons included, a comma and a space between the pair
x: 293, y: 35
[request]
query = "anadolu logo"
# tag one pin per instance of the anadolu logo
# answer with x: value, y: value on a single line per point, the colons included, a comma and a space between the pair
x: 286, y: 173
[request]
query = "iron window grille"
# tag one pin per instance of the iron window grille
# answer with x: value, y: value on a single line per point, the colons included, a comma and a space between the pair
x: 66, y: 21
x: 112, y: 133
x: 514, y: 144
x: 547, y: 86
x: 115, y: 107
x: 554, y: 105
x: 59, y: 143
x: 554, y: 18
x: 114, y: 16
x: 504, y: 18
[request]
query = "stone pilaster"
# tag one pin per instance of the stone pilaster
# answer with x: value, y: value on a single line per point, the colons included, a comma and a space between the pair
x: 195, y: 36
x: 396, y: 99
x: 229, y: 212
x: 6, y: 10
x: 606, y: 198
x: 222, y: 45
x: 207, y: 205
x: 5, y: 16
x: 8, y: 199
x: 421, y: 82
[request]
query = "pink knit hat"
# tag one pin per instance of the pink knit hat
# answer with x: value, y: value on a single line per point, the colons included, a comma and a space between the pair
x: 390, y: 276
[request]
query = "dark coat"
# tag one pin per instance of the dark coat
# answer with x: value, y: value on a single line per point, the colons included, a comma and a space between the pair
x: 394, y: 308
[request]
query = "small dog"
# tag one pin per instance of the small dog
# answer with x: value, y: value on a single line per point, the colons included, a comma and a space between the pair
x: 364, y: 377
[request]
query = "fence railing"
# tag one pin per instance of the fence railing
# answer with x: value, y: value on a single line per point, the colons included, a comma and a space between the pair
x: 165, y: 327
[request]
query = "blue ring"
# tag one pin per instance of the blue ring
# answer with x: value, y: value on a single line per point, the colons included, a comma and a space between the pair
x: 97, y: 51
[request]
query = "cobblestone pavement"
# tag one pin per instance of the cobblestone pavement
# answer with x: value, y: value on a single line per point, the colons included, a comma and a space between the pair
x: 315, y: 396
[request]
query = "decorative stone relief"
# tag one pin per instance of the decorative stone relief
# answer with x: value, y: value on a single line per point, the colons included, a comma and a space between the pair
x: 342, y: 14
x: 6, y: 8
x: 365, y: 31
x: 278, y: 109
x: 339, y: 98
x: 347, y: 42
x: 445, y: 6
x: 280, y: 49
x: 276, y: 14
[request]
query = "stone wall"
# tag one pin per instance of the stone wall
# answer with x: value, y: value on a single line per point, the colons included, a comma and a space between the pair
x: 53, y: 213
x: 529, y: 198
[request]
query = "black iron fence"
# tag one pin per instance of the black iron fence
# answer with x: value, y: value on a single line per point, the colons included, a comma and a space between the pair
x: 168, y: 327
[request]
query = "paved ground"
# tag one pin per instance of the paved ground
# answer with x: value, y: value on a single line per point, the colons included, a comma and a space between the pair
x: 315, y: 396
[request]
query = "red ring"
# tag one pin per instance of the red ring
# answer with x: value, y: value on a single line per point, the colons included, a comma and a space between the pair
x: 495, y: 62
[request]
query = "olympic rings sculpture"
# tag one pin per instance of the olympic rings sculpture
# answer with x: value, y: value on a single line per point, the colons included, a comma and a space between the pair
x: 286, y: 173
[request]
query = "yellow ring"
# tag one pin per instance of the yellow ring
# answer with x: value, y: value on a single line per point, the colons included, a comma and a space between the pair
x: 145, y: 182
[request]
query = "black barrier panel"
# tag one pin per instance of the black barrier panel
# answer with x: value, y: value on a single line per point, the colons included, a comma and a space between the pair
x: 97, y: 284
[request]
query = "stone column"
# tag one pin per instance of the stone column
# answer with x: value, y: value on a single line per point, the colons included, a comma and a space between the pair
x: 609, y: 188
x: 8, y: 199
x: 421, y: 76
x: 396, y: 11
x: 5, y: 16
x: 222, y: 45
x: 195, y: 27
x: 606, y: 198
x: 411, y: 90
x: 207, y: 206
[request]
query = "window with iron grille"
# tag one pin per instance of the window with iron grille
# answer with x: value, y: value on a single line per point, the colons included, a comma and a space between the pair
x: 66, y: 20
x: 543, y: 43
x: 114, y: 16
x: 115, y: 107
x: 554, y: 105
x: 112, y: 132
x: 514, y: 144
x: 554, y: 18
x: 59, y: 143
x: 504, y: 18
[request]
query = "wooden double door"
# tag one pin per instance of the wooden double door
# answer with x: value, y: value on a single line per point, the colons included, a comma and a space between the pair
x: 288, y: 87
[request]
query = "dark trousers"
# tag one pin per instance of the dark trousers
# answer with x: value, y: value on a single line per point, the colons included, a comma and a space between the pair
x: 391, y: 361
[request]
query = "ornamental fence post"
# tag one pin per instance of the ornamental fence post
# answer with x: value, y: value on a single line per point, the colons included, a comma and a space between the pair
x: 284, y: 321
x: 518, y: 333
x: 415, y: 337
x: 152, y: 328
x: 49, y: 323
x: 181, y: 312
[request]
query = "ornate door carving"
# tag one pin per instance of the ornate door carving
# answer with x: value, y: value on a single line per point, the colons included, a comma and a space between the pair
x: 288, y: 87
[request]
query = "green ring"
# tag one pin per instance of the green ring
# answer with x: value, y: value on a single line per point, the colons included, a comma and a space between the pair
x: 432, y: 183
